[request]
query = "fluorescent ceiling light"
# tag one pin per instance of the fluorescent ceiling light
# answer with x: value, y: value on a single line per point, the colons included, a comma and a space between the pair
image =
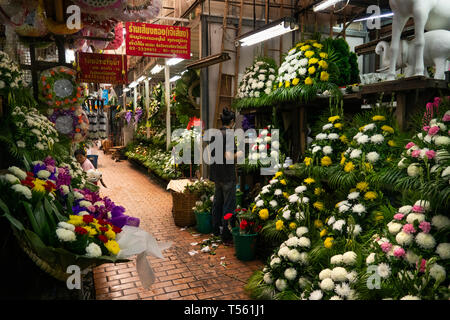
x: 133, y: 84
x: 149, y: 78
x: 156, y: 69
x: 175, y: 78
x: 325, y: 4
x: 141, y: 78
x: 269, y: 31
x: 174, y: 61
x: 70, y: 55
x: 126, y: 89
x: 384, y: 15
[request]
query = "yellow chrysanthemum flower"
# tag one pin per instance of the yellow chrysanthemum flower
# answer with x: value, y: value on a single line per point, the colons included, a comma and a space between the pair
x: 110, y: 234
x: 313, y: 61
x: 387, y: 129
x: 318, y: 223
x: 305, y: 47
x: 309, y: 180
x: 323, y: 64
x: 368, y: 166
x: 343, y: 159
x: 264, y: 214
x: 349, y: 167
x: 326, y: 161
x: 76, y: 220
x: 338, y: 125
x: 309, y: 81
x: 280, y: 84
x: 39, y: 185
x: 318, y: 191
x: 112, y: 246
x: 343, y: 138
x: 318, y: 205
x: 295, y: 81
x: 279, y: 225
x: 286, y: 195
x: 309, y: 54
x: 391, y: 143
x: 91, y: 231
x: 370, y: 195
x: 333, y: 119
x: 378, y: 215
x: 324, y: 76
x: 378, y: 118
x: 277, y: 174
x: 328, y: 243
x: 287, y: 84
x: 318, y: 45
x: 311, y: 70
x: 292, y: 226
x: 323, y: 55
x: 307, y: 161
x: 362, y: 186
x: 254, y: 208
x: 323, y: 233
x: 283, y: 182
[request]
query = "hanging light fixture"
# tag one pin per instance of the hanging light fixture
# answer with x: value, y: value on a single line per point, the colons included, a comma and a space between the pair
x: 325, y: 4
x: 175, y: 78
x: 274, y: 29
x: 156, y: 69
x: 384, y: 15
x: 174, y: 61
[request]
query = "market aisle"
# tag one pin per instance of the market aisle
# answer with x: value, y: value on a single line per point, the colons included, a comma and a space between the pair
x: 178, y: 275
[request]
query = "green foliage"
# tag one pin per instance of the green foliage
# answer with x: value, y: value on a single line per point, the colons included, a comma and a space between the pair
x: 187, y: 89
x: 346, y: 65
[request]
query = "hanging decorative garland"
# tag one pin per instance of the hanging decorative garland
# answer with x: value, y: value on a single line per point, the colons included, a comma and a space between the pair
x: 72, y: 123
x: 58, y: 89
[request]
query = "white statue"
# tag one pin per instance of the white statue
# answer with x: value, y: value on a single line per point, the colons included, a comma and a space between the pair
x: 436, y: 53
x: 427, y: 15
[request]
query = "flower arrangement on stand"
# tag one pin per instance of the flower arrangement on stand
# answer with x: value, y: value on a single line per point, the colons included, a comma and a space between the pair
x: 256, y: 84
x: 411, y: 258
x: 71, y: 122
x: 264, y: 150
x: 10, y: 74
x: 203, y: 207
x: 304, y: 73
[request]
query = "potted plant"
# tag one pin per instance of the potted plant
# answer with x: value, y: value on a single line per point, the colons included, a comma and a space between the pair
x: 245, y: 233
x: 203, y: 216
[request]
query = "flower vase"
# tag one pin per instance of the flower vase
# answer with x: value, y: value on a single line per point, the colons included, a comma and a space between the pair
x: 244, y: 245
x: 204, y: 222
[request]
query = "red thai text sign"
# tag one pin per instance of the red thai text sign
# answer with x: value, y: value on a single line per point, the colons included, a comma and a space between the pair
x: 155, y: 40
x: 102, y: 68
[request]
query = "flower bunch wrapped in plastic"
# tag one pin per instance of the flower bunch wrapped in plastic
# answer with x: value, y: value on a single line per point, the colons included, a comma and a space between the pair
x: 338, y: 282
x: 287, y: 269
x: 248, y: 222
x: 258, y: 82
x: 411, y: 260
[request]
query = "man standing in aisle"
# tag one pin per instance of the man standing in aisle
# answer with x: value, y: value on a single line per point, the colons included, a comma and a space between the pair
x: 223, y: 174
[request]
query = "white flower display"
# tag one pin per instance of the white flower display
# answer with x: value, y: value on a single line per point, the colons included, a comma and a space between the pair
x: 349, y: 258
x: 373, y: 157
x: 327, y: 150
x: 403, y: 238
x: 300, y: 189
x: 65, y: 235
x: 301, y: 231
x: 384, y: 270
x: 437, y: 272
x: 440, y: 222
x: 316, y: 295
x: 93, y: 250
x: 290, y: 273
x: 23, y: 190
x: 281, y: 284
x: 327, y: 284
x: 443, y: 250
x: 377, y: 138
x: 425, y: 240
x: 268, y: 278
x: 253, y: 83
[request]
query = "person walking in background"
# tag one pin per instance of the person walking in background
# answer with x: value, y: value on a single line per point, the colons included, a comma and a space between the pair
x: 224, y: 176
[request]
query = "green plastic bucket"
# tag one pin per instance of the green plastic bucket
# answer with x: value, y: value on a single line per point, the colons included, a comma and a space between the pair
x: 204, y: 222
x: 244, y: 245
x: 239, y: 198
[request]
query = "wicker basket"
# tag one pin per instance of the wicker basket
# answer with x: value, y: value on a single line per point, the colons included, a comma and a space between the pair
x: 182, y: 212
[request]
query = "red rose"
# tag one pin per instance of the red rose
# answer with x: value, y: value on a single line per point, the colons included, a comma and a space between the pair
x: 30, y: 174
x: 116, y: 229
x: 80, y: 230
x: 103, y: 229
x: 228, y: 216
x: 103, y: 238
x: 49, y: 186
x: 88, y: 218
x: 245, y: 210
x: 243, y: 224
x: 102, y: 222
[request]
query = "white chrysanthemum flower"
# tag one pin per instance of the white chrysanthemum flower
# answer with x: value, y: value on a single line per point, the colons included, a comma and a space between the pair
x: 349, y: 258
x: 410, y: 218
x: 331, y: 220
x: 356, y: 136
x: 19, y: 173
x: 67, y: 226
x: 11, y: 179
x: 442, y: 140
x: 394, y: 227
x: 403, y: 238
x: 440, y: 222
x: 327, y: 150
x: 405, y: 209
x: 377, y: 138
x: 85, y: 203
x: 370, y: 258
x: 410, y: 297
x: 338, y: 225
x: 278, y: 192
x: 293, y: 198
x: 401, y: 164
x: 356, y: 229
x: 373, y: 157
x: 304, y: 242
x: 287, y: 214
x: 260, y: 203
x: 273, y: 203
x: 353, y: 195
x: 304, y: 200
x: 336, y: 298
x: 23, y: 190
x: 292, y: 241
x: 425, y: 240
x: 316, y: 295
x: 384, y: 270
x: 84, y: 213
x: 327, y: 284
x: 446, y: 172
x: 21, y: 144
x: 65, y: 235
x: 356, y: 153
x: 363, y: 139
x: 339, y: 274
x: 273, y: 181
x: 437, y: 272
x: 290, y: 273
x: 282, y: 252
x: 443, y: 250
x: 321, y: 136
x: 369, y: 127
x: 333, y: 136
x: 268, y: 278
x: 93, y: 250
x: 336, y: 259
x: 293, y: 255
x: 352, y: 276
x: 424, y: 204
x: 359, y: 209
x: 275, y: 261
x: 326, y: 273
x: 281, y: 284
x: 300, y: 189
x: 342, y: 289
x: 78, y: 196
x: 301, y: 231
x: 414, y: 170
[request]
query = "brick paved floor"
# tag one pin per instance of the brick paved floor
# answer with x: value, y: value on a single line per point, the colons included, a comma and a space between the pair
x: 179, y: 275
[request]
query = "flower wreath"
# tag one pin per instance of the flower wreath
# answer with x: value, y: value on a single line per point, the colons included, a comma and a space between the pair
x: 72, y: 122
x: 58, y: 88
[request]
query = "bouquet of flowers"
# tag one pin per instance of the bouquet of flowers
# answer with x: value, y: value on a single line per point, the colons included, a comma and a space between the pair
x: 257, y: 83
x: 264, y: 150
x: 304, y: 73
x: 10, y: 74
x: 411, y: 259
x: 249, y: 222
